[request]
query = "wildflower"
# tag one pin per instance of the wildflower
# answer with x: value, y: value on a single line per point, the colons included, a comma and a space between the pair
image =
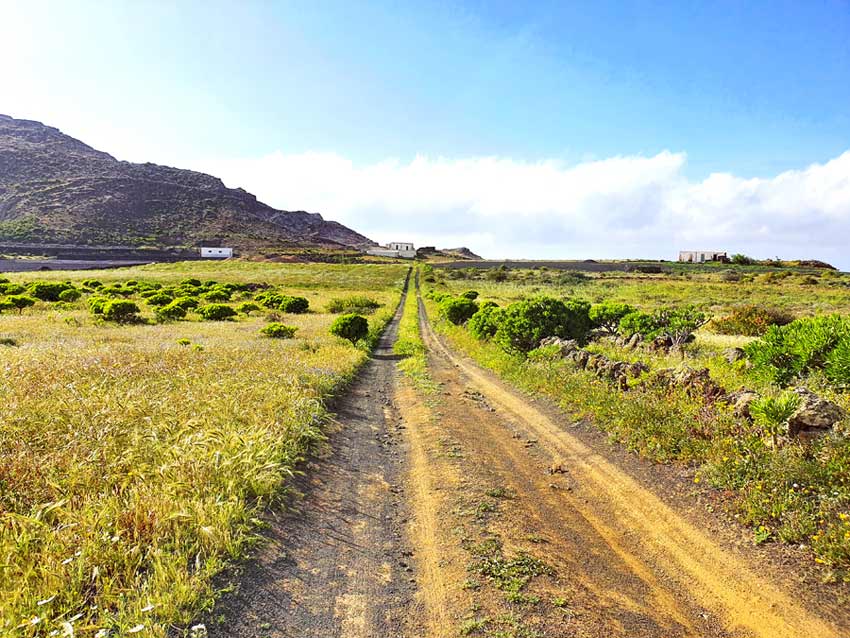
x: 199, y: 631
x: 136, y: 629
x: 696, y: 479
x: 35, y: 620
x: 843, y: 516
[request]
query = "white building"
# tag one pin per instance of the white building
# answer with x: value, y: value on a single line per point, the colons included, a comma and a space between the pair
x: 216, y: 253
x: 394, y: 249
x: 702, y: 256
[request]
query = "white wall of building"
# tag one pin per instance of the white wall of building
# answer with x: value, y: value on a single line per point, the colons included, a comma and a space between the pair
x: 216, y: 253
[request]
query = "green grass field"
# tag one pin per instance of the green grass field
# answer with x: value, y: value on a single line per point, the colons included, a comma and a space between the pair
x: 136, y: 460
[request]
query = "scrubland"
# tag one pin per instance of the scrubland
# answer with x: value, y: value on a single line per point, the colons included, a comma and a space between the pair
x: 783, y: 488
x: 136, y: 459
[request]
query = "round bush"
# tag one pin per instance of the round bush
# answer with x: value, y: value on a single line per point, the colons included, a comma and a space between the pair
x: 458, y: 310
x: 350, y: 326
x: 216, y: 295
x: 751, y: 320
x: 607, y: 315
x: 472, y: 295
x: 484, y: 323
x: 70, y: 295
x: 171, y: 311
x: 294, y: 305
x: 120, y: 311
x: 193, y: 283
x: 216, y: 312
x: 160, y: 299
x: 277, y: 330
x: 269, y: 299
x: 187, y: 303
x: 525, y: 323
x: 96, y: 304
x: 12, y: 289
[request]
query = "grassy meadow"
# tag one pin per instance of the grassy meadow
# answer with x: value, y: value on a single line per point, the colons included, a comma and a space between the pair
x: 136, y: 459
x: 794, y: 492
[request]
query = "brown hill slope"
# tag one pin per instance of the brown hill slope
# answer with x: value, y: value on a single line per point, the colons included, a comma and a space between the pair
x: 56, y: 189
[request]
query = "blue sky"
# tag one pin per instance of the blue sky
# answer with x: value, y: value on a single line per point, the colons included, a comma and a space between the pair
x: 247, y: 90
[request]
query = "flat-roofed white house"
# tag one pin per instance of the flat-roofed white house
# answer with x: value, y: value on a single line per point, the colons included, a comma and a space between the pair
x: 394, y: 249
x: 215, y: 252
x: 702, y: 256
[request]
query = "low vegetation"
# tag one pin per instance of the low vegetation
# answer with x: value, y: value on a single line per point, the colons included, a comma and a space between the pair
x: 661, y: 377
x: 129, y: 475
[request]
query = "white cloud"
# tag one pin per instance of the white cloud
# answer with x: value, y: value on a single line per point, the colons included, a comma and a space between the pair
x: 617, y: 207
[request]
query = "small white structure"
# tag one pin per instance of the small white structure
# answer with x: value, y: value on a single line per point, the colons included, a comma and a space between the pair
x: 394, y: 249
x: 702, y: 256
x: 216, y: 253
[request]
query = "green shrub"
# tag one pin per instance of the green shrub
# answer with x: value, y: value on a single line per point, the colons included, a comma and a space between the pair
x: 350, y: 326
x: 216, y: 312
x: 355, y: 303
x: 216, y: 295
x: 183, y: 341
x: 742, y: 260
x: 458, y: 310
x: 247, y: 307
x: 269, y: 299
x: 117, y: 290
x: 484, y: 323
x: 5, y: 304
x: 120, y: 311
x: 751, y: 320
x: 191, y: 282
x: 171, y: 311
x: 20, y: 302
x: 607, y: 315
x: 48, y: 290
x: 277, y: 330
x: 160, y: 299
x: 92, y: 283
x: 772, y: 413
x: 294, y: 305
x: 472, y: 295
x: 786, y: 352
x: 70, y: 295
x: 525, y: 323
x: 678, y: 324
x: 96, y: 304
x: 12, y: 289
x: 187, y: 303
x: 837, y: 367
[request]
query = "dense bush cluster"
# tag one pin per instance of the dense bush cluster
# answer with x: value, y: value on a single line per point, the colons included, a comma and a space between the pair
x: 677, y: 325
x: 803, y: 346
x: 523, y: 324
x: 750, y: 320
x: 458, y: 310
x: 355, y: 303
x: 277, y: 330
x: 484, y: 323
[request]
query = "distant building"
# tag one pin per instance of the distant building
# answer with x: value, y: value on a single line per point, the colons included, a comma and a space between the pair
x: 394, y: 249
x: 216, y: 253
x: 702, y: 256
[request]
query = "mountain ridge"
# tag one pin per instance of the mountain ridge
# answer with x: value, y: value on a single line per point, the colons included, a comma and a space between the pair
x: 57, y: 189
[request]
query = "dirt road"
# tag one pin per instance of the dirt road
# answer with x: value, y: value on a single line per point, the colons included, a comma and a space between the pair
x: 474, y: 510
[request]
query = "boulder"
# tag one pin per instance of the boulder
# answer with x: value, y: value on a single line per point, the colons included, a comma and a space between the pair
x: 634, y: 341
x: 566, y: 346
x: 815, y: 415
x: 733, y: 354
x: 740, y: 401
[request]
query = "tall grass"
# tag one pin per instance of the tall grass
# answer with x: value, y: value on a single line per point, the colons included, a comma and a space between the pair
x: 409, y: 344
x: 133, y: 468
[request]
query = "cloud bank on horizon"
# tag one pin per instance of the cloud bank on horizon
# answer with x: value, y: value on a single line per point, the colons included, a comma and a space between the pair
x: 620, y: 207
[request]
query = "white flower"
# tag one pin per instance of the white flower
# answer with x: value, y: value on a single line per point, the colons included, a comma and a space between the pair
x: 199, y: 631
x: 136, y: 629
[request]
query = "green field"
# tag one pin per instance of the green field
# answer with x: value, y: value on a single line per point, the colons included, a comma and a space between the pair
x: 136, y: 459
x: 785, y: 490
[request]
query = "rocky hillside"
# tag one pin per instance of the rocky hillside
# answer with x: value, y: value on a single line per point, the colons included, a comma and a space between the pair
x: 56, y: 189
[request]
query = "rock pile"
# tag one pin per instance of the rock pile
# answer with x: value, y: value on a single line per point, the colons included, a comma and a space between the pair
x: 697, y: 383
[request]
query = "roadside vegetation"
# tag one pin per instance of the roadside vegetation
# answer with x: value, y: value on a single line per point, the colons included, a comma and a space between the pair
x: 145, y: 429
x: 410, y: 346
x: 741, y: 375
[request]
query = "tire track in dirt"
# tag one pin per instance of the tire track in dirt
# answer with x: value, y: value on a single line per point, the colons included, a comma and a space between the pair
x: 335, y: 563
x: 632, y: 564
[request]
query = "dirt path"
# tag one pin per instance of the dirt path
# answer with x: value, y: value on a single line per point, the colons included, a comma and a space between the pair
x: 617, y: 560
x: 472, y: 510
x: 337, y: 564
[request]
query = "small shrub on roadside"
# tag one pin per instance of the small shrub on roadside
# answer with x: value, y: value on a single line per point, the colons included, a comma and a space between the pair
x: 216, y: 312
x: 350, y: 326
x: 523, y: 324
x: 484, y: 323
x: 458, y: 310
x: 277, y: 330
